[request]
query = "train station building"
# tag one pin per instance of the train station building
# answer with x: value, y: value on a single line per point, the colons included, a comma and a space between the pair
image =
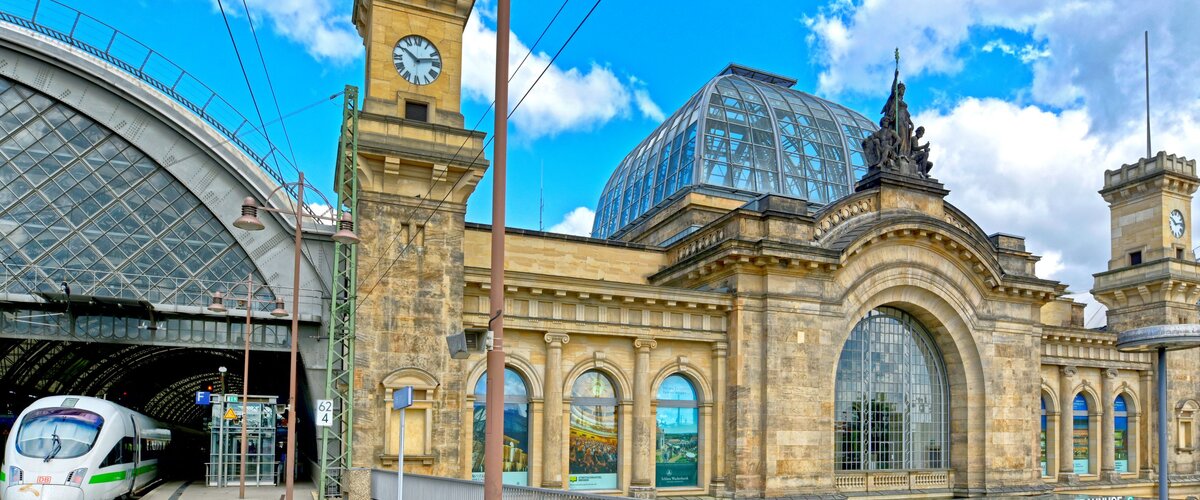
x: 777, y: 301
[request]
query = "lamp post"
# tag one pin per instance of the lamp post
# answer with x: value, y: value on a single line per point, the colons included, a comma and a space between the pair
x: 222, y: 371
x: 345, y: 234
x: 218, y: 306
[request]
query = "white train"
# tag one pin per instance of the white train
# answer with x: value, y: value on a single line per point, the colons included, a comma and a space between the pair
x: 77, y: 448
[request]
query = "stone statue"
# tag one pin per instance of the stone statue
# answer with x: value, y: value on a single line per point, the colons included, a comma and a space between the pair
x: 920, y: 153
x: 896, y: 117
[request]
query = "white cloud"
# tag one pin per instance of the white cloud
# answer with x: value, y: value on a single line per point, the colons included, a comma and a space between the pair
x: 1026, y: 54
x: 565, y: 98
x: 323, y: 28
x: 577, y: 222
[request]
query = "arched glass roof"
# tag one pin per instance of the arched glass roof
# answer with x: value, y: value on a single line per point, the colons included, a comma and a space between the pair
x: 80, y: 204
x: 745, y: 133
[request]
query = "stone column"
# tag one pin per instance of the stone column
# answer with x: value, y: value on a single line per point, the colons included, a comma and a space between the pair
x: 643, y: 426
x: 552, y: 437
x: 1066, y: 461
x: 720, y: 355
x: 1146, y: 450
x: 1108, y: 464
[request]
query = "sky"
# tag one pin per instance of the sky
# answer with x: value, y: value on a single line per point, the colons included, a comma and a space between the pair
x: 1025, y: 103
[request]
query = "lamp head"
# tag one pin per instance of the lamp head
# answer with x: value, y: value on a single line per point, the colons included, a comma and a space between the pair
x: 218, y: 303
x: 279, y: 311
x: 249, y: 219
x: 345, y: 233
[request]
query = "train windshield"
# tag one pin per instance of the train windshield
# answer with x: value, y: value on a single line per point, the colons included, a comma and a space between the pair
x: 50, y: 433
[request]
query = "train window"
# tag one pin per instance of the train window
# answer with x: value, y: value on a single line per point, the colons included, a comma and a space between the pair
x: 129, y: 446
x: 49, y: 433
x: 114, y: 456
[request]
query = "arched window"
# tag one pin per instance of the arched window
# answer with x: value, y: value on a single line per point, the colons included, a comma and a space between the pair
x: 516, y: 429
x: 593, y: 433
x: 1042, y: 441
x: 1079, y: 434
x: 678, y: 444
x: 1121, y: 434
x: 891, y: 397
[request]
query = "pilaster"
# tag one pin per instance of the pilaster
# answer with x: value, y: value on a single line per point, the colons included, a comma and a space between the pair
x: 642, y: 485
x: 720, y: 358
x: 1066, y: 462
x: 1107, y: 427
x: 552, y: 449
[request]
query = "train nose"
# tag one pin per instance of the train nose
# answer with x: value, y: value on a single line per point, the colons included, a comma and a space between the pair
x: 43, y: 492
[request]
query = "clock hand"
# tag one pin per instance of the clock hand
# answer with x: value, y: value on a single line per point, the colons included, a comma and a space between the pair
x: 414, y: 56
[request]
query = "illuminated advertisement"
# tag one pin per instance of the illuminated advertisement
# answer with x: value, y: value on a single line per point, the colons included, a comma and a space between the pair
x: 1079, y: 436
x: 593, y: 447
x: 1121, y: 435
x: 516, y: 444
x: 678, y: 447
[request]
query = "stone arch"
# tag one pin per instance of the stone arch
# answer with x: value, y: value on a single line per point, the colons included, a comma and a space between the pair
x: 1051, y: 398
x: 1093, y: 399
x: 614, y: 372
x: 688, y: 371
x: 416, y: 377
x: 946, y: 312
x: 518, y: 364
x: 1132, y: 404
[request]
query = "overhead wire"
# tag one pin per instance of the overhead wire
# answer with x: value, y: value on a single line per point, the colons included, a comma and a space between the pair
x: 413, y: 212
x: 246, y: 76
x: 270, y: 86
x: 412, y: 238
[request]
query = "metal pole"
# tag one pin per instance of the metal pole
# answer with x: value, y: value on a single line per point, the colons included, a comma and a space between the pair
x: 246, y: 380
x: 493, y: 482
x: 400, y: 460
x: 1163, y: 487
x: 290, y: 461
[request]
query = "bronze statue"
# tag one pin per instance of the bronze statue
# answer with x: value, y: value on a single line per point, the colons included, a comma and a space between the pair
x: 896, y: 117
x: 896, y: 147
x: 920, y: 153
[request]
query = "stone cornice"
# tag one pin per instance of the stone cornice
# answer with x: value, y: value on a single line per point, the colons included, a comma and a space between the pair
x: 1082, y: 347
x: 560, y: 288
x: 1163, y: 280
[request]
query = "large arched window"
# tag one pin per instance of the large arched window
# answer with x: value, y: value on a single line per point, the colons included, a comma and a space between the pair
x: 1079, y: 435
x: 891, y: 399
x: 593, y: 433
x: 678, y: 445
x: 1121, y: 434
x: 516, y: 429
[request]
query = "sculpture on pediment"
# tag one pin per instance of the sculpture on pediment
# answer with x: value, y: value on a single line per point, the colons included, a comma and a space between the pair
x: 896, y: 146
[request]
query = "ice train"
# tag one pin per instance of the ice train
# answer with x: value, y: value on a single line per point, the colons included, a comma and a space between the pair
x: 77, y: 448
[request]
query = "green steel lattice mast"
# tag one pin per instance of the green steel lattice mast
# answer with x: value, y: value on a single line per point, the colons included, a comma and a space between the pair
x: 337, y: 440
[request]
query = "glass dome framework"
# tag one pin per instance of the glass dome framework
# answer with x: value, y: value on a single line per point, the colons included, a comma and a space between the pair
x: 745, y: 133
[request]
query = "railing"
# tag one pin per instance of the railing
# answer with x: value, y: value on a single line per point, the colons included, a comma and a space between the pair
x: 72, y: 27
x: 158, y: 290
x: 383, y: 486
x: 894, y: 481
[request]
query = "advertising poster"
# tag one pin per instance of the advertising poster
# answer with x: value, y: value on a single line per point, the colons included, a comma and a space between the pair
x: 1045, y: 471
x: 516, y: 444
x: 678, y: 447
x: 1121, y: 448
x: 593, y: 447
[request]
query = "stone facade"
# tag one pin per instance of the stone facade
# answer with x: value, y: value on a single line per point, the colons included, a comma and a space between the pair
x: 754, y: 309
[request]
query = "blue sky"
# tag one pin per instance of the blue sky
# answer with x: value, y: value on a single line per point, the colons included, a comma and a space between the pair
x: 1025, y: 102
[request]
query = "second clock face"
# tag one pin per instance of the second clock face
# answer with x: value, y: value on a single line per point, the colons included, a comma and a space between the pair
x: 417, y: 60
x: 1176, y: 223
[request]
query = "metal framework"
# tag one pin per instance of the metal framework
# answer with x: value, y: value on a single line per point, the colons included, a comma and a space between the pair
x: 62, y: 22
x: 337, y: 440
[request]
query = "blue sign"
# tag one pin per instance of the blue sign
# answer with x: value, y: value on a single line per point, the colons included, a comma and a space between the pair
x: 203, y: 398
x: 402, y: 398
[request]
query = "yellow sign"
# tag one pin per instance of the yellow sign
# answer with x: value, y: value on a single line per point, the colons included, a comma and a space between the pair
x: 230, y: 415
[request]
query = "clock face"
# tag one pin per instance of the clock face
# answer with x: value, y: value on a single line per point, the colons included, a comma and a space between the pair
x: 417, y: 60
x: 1175, y: 222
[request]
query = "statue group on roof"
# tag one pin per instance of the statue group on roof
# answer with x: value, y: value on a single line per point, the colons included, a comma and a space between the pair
x: 896, y: 146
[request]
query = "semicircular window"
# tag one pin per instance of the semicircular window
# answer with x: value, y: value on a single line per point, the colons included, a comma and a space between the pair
x: 79, y: 204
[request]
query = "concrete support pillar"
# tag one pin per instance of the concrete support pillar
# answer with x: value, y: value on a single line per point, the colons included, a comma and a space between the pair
x: 720, y: 356
x: 1108, y: 448
x: 1066, y: 462
x: 552, y: 451
x: 1146, y: 450
x: 643, y: 425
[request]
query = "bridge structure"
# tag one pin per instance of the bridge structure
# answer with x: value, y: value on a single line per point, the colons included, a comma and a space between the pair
x: 121, y: 177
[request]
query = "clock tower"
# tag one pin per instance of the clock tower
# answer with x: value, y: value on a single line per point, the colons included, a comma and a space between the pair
x: 1152, y: 276
x: 417, y: 166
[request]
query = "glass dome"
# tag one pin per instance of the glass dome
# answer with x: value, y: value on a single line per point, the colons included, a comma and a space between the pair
x: 745, y: 133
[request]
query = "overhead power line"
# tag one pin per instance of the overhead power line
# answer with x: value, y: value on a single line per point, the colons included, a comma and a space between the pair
x: 407, y: 245
x: 270, y: 86
x: 246, y: 76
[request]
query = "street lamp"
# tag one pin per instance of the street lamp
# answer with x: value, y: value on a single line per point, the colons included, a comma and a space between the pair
x: 218, y: 306
x: 222, y: 370
x: 345, y: 235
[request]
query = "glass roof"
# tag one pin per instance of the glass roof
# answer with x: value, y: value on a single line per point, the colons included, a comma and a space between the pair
x: 745, y: 133
x: 78, y: 203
